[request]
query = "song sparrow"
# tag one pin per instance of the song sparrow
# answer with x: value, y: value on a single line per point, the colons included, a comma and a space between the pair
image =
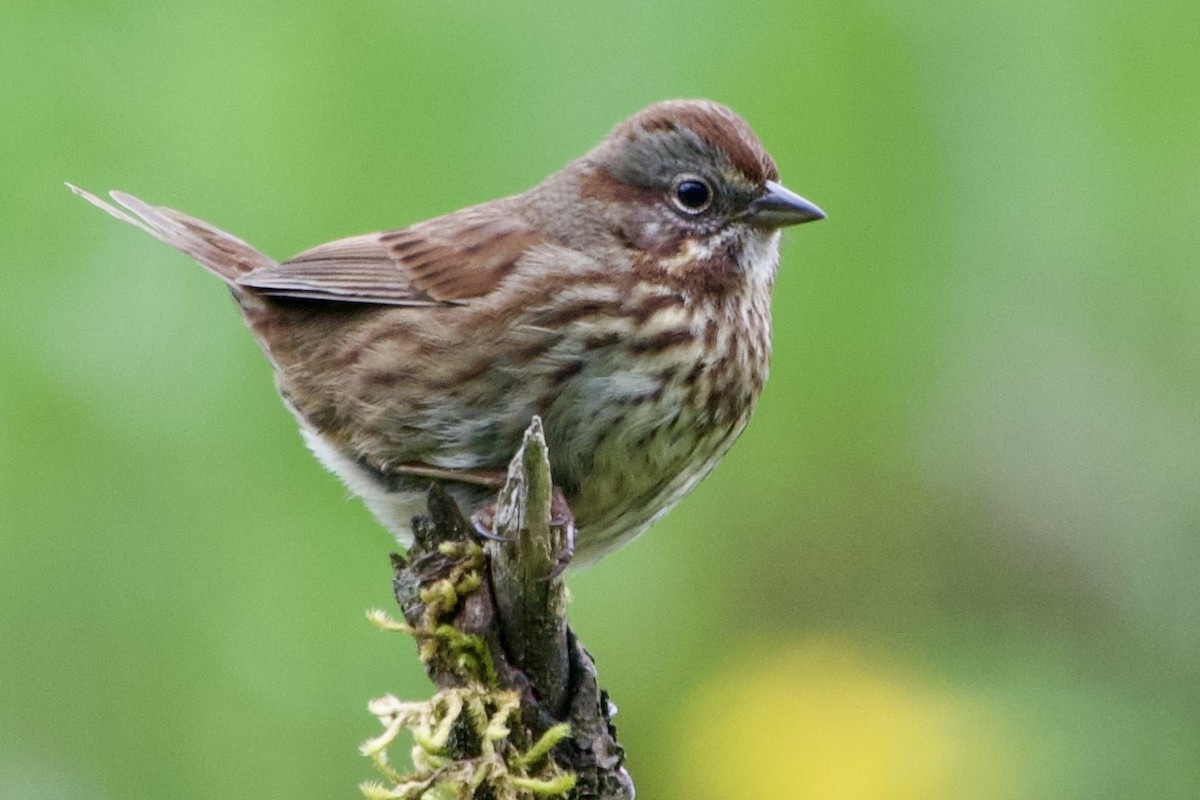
x: 625, y: 299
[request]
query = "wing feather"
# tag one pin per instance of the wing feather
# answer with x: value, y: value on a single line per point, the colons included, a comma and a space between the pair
x: 444, y: 261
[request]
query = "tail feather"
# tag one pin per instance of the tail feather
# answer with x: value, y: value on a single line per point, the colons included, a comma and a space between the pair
x: 222, y: 254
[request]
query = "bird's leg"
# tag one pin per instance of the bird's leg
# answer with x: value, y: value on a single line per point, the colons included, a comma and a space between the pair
x: 484, y: 519
x: 561, y: 517
x: 490, y: 478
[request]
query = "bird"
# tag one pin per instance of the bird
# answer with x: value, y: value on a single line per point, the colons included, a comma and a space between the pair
x: 625, y: 299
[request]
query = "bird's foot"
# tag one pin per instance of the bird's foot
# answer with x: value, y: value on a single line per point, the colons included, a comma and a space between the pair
x: 484, y: 523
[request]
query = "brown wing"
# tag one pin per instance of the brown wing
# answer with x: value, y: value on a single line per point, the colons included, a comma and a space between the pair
x: 443, y: 261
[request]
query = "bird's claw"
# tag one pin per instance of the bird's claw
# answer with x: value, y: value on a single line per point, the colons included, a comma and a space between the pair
x: 483, y: 521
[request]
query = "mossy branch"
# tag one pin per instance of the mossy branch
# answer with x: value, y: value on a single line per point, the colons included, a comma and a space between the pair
x: 518, y: 712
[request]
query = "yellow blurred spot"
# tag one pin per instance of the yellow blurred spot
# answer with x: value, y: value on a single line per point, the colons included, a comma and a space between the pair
x: 823, y: 719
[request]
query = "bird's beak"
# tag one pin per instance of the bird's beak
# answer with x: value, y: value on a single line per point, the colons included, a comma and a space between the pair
x: 779, y: 206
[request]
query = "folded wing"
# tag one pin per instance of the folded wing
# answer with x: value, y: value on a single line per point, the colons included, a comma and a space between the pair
x: 444, y: 261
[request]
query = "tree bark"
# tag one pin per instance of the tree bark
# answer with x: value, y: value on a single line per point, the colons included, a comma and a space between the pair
x: 518, y: 713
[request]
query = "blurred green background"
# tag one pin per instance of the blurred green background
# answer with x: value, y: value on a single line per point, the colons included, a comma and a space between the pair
x: 956, y: 554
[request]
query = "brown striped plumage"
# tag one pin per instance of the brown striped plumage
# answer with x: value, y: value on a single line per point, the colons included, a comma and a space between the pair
x: 625, y: 300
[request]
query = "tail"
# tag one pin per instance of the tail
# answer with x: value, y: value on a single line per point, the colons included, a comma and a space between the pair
x: 223, y: 255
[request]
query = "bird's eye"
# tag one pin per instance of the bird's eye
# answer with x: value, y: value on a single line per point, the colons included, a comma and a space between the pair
x: 692, y: 194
